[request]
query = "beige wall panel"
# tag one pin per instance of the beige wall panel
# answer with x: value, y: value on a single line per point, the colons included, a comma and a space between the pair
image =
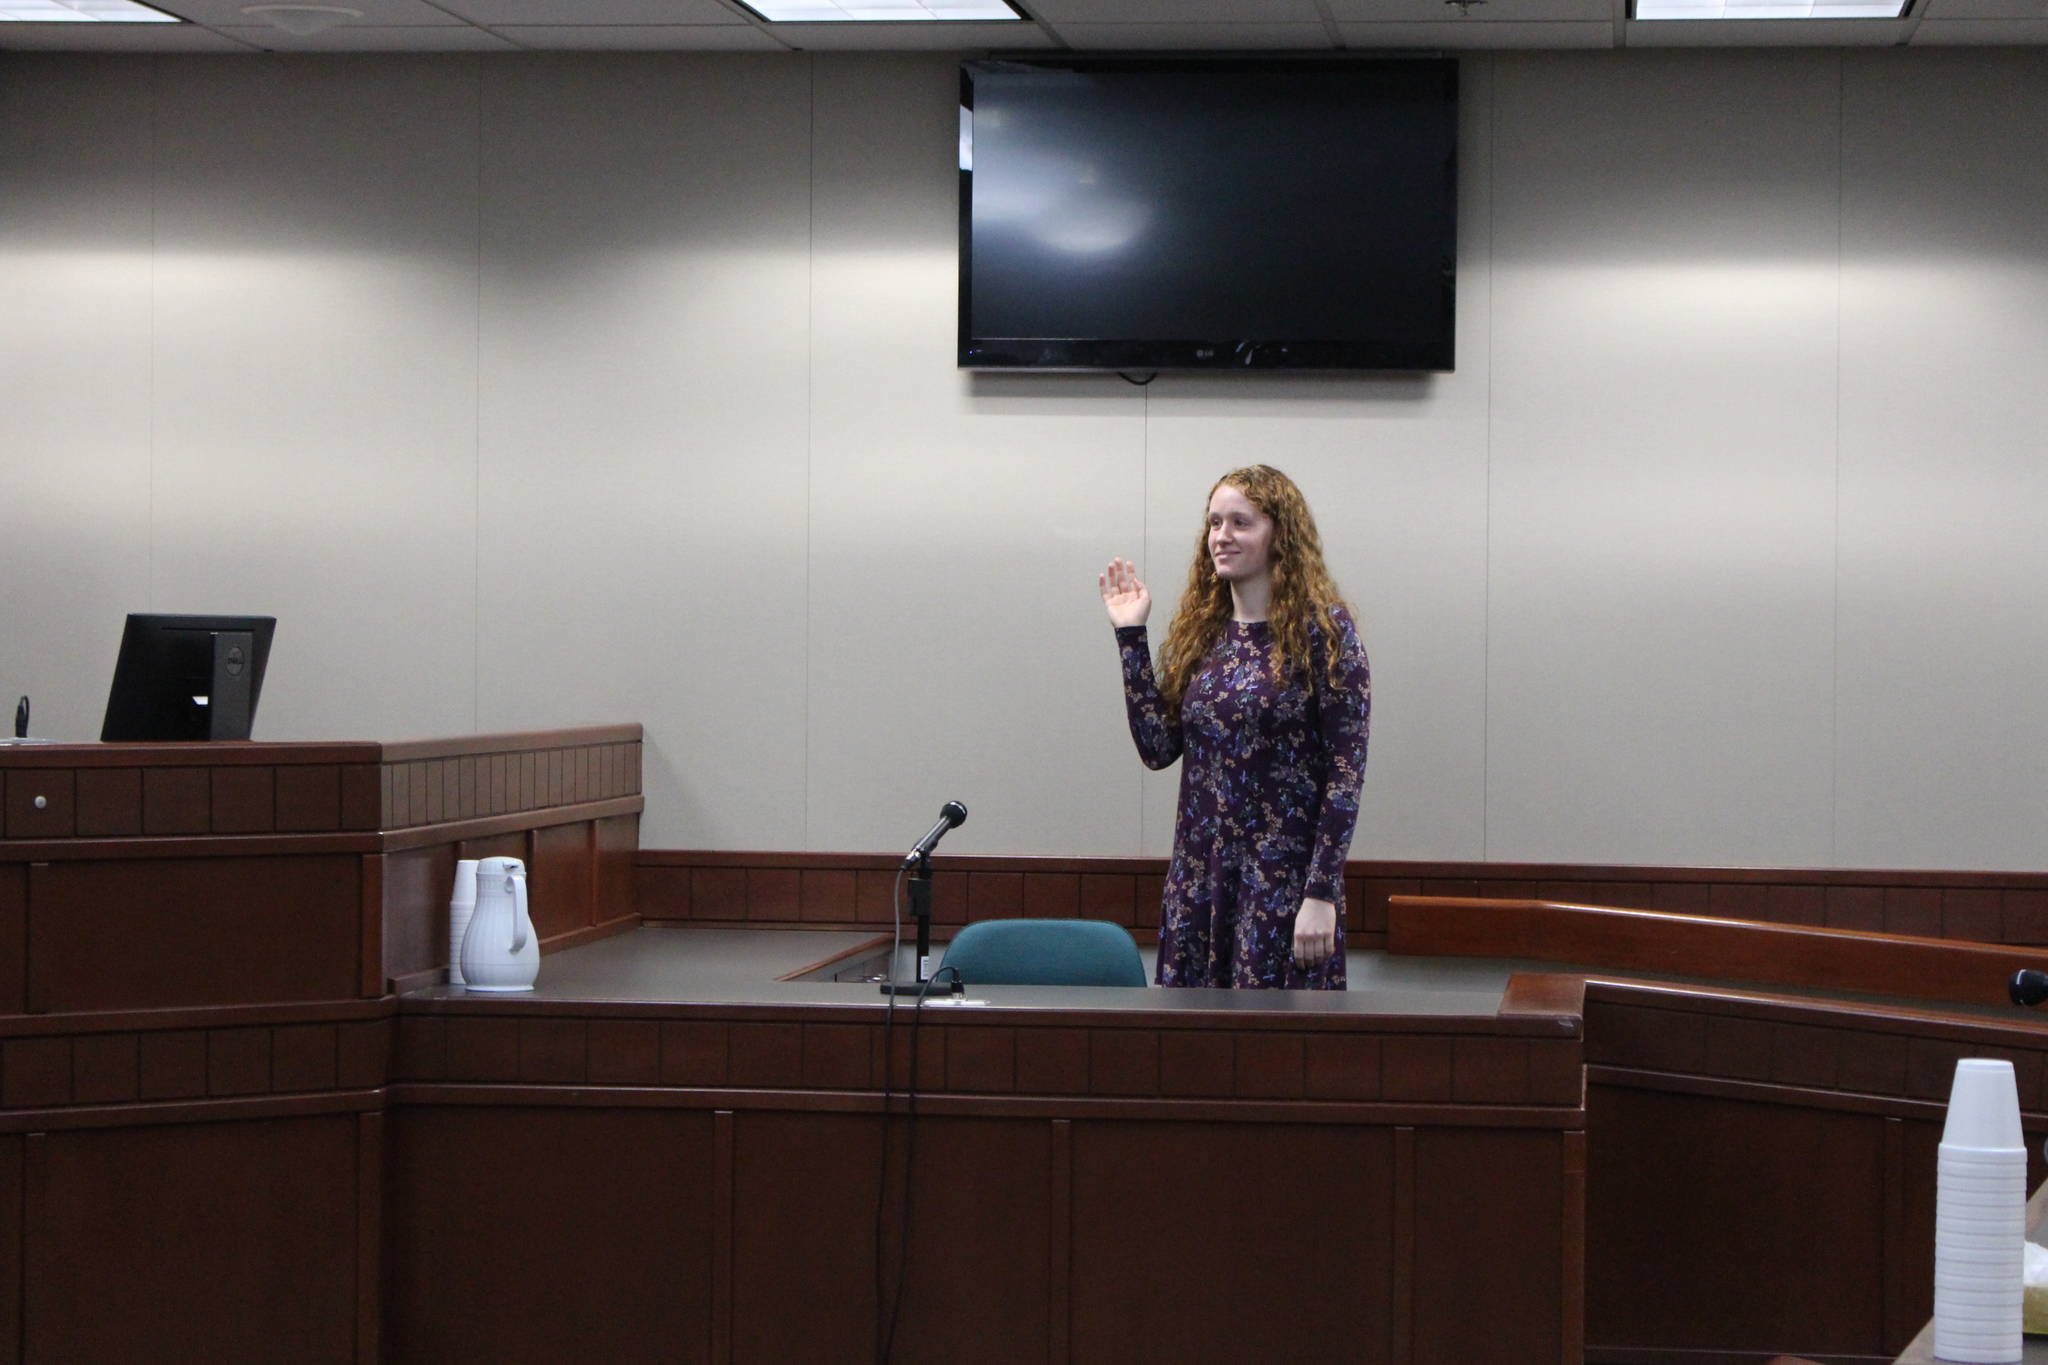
x: 75, y: 380
x: 315, y: 361
x: 641, y: 529
x: 1394, y: 468
x: 1944, y: 578
x: 1663, y: 409
x: 958, y: 645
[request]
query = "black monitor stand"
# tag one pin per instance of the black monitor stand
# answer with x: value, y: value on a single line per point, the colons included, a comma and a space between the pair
x: 231, y: 709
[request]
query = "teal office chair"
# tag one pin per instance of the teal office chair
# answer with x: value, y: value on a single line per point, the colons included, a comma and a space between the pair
x: 1045, y: 952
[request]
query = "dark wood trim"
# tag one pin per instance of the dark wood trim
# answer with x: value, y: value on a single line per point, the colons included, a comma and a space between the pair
x: 1651, y: 1355
x: 712, y: 886
x: 1737, y: 950
x: 1556, y: 996
x: 1060, y: 1270
x: 226, y: 754
x: 589, y: 933
x: 723, y: 1215
x: 369, y: 1237
x: 1535, y: 1029
x: 370, y: 965
x: 860, y: 949
x: 195, y: 1017
x: 264, y: 845
x: 509, y: 741
x: 418, y: 981
x: 1572, y: 1261
x: 194, y: 1111
x: 1421, y: 1115
x: 547, y: 817
x: 181, y: 846
x: 1899, y: 1319
x: 1928, y: 1021
x: 1769, y: 1092
x: 888, y: 862
x: 1401, y: 1321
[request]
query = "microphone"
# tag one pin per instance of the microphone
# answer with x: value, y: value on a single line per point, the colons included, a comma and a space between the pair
x: 950, y: 814
x: 2028, y: 987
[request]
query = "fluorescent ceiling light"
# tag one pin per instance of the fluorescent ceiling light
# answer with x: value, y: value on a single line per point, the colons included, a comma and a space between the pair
x: 82, y: 12
x: 1771, y: 9
x: 881, y: 11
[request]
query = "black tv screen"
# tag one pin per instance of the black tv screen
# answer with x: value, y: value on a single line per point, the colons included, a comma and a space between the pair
x: 1125, y: 214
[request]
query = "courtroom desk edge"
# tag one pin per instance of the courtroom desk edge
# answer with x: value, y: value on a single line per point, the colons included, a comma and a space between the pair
x: 211, y: 754
x: 254, y: 845
x: 1379, y: 870
x: 1884, y: 1013
x: 218, y: 753
x: 85, y: 1022
x: 225, y: 1109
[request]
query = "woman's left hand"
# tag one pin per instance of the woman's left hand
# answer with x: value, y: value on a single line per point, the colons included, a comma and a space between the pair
x: 1315, y: 932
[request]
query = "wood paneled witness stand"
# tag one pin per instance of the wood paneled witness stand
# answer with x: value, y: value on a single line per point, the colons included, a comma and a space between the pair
x: 240, y: 1122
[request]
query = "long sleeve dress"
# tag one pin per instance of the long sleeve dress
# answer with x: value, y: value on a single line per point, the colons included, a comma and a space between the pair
x: 1268, y: 800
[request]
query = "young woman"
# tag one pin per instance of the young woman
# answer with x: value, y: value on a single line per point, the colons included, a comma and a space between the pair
x: 1263, y: 686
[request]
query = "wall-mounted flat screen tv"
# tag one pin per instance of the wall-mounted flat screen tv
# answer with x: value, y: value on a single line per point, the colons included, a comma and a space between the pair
x: 1255, y: 214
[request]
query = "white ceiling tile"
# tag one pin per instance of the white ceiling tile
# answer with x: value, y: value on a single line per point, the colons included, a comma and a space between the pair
x: 1980, y: 32
x: 376, y: 13
x: 1468, y: 34
x: 1058, y: 12
x: 363, y: 38
x: 1982, y: 9
x: 590, y: 13
x: 924, y: 37
x: 641, y: 37
x: 114, y: 38
x: 1209, y: 37
x: 1491, y: 11
x: 1765, y: 32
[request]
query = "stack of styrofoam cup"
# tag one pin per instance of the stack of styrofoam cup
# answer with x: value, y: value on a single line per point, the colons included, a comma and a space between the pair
x: 1980, y: 1218
x: 461, y: 905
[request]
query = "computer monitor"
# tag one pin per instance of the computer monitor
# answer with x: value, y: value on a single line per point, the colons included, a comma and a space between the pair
x: 187, y: 677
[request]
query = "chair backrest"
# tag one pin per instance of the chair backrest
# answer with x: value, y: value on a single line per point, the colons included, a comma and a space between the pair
x: 1046, y: 952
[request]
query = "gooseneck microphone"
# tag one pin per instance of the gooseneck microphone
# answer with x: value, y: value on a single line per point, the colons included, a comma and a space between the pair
x: 950, y: 814
x: 2028, y: 987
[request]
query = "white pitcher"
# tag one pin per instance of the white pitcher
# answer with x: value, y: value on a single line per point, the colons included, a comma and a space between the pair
x: 500, y: 951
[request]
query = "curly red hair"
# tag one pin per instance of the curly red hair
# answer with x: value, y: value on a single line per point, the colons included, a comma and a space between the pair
x: 1304, y: 596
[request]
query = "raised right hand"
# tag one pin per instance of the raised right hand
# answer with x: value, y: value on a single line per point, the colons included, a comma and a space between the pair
x: 1124, y: 594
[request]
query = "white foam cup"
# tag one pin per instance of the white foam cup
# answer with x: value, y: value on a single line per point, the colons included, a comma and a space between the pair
x: 1983, y: 1105
x: 2001, y: 1232
x: 1960, y: 1319
x: 1960, y: 1311
x: 1978, y: 1348
x: 1985, y: 1181
x: 461, y: 905
x: 1977, y: 1305
x: 1979, y: 1196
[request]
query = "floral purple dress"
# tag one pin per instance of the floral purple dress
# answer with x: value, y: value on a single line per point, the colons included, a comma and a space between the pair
x: 1268, y: 799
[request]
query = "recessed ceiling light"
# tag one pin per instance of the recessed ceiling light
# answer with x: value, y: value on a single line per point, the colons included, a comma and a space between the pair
x: 1771, y: 9
x: 881, y: 11
x: 82, y: 12
x: 302, y: 20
